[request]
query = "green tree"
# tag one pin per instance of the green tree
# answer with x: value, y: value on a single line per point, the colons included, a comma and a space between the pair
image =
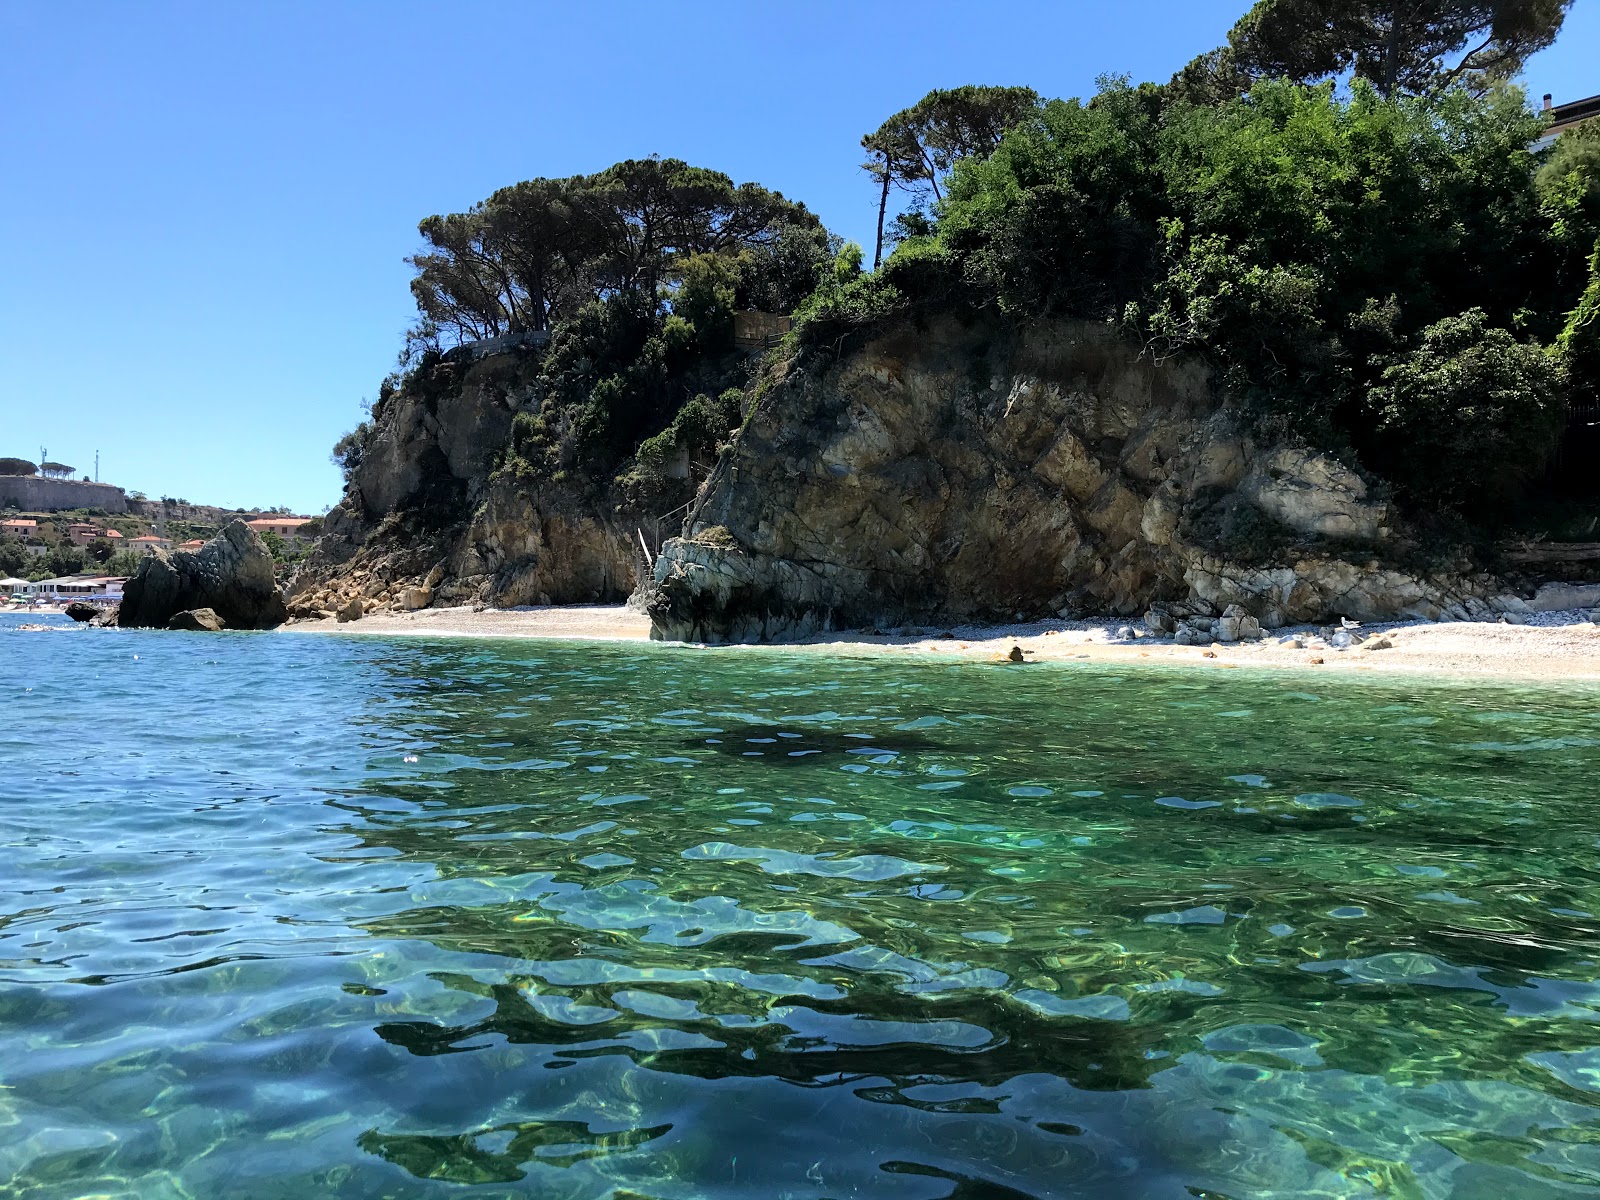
x: 65, y: 559
x: 17, y: 466
x: 123, y: 564
x: 535, y: 253
x: 1569, y: 192
x: 276, y: 546
x: 55, y: 470
x: 1469, y: 416
x: 100, y: 549
x: 13, y: 558
x: 1579, y: 343
x: 917, y: 147
x: 1414, y: 46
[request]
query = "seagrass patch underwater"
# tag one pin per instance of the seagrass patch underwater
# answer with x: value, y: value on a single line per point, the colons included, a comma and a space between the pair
x: 359, y: 917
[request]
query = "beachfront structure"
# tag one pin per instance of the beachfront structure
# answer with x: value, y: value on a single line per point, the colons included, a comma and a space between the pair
x: 288, y: 528
x: 10, y: 586
x: 73, y: 587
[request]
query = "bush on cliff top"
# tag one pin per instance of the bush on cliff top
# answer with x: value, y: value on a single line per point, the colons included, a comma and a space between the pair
x: 1315, y: 244
x: 1302, y: 241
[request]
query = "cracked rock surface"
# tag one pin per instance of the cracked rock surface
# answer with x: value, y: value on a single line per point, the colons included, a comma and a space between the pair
x: 979, y: 473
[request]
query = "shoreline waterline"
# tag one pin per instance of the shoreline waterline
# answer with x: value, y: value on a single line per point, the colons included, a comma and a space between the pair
x: 1569, y: 650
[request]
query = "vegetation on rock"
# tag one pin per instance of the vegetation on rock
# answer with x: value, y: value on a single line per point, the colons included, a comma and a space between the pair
x: 1340, y: 212
x: 1302, y: 240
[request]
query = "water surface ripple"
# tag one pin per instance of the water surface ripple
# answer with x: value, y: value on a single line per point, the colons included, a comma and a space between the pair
x: 311, y: 916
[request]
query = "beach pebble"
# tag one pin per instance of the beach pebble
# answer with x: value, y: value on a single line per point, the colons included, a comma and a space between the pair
x: 1126, y: 633
x: 1378, y: 643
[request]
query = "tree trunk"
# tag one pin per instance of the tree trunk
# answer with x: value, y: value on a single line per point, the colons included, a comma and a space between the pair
x: 1391, y: 57
x: 883, y: 206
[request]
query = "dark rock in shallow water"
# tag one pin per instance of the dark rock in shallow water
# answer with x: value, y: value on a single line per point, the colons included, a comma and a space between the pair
x: 232, y: 575
x: 78, y: 610
x: 106, y: 618
x: 196, y: 620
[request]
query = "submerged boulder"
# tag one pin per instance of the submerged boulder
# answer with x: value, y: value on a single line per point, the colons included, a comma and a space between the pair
x: 232, y: 575
x: 79, y: 610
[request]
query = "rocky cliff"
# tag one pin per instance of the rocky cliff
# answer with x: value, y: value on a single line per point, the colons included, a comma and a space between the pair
x: 434, y: 514
x: 957, y: 472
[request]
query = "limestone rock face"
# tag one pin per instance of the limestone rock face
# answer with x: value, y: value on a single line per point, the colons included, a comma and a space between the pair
x: 1313, y: 493
x: 428, y: 521
x: 957, y: 472
x: 197, y: 620
x: 232, y: 574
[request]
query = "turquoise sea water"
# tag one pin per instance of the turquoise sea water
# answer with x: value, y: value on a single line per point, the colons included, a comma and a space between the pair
x: 289, y: 916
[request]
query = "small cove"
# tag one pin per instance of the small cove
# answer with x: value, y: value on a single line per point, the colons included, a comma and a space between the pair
x: 359, y: 917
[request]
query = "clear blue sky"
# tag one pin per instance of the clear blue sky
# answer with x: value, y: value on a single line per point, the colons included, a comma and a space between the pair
x: 206, y: 206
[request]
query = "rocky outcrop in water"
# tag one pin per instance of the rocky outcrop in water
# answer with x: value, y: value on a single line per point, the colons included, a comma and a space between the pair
x: 197, y: 620
x: 430, y: 517
x: 232, y: 575
x: 973, y: 472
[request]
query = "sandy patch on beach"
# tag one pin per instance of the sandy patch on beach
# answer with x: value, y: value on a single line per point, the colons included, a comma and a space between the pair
x: 1561, y: 646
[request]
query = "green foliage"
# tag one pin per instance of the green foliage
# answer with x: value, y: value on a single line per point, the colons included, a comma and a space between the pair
x: 1579, y: 343
x: 1062, y: 218
x: 1289, y: 236
x: 707, y: 293
x: 65, y: 559
x: 1468, y: 415
x: 916, y: 148
x: 1569, y: 193
x: 696, y: 433
x: 276, y: 546
x: 1397, y: 45
x: 847, y: 263
x: 123, y: 563
x: 534, y: 254
x: 17, y: 466
x: 347, y: 451
x: 13, y: 558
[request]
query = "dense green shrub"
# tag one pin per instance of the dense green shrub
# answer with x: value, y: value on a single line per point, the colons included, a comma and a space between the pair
x: 1303, y: 240
x: 1465, y: 418
x: 1579, y: 343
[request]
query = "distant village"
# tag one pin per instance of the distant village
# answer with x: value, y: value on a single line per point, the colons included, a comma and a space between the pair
x: 64, y: 540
